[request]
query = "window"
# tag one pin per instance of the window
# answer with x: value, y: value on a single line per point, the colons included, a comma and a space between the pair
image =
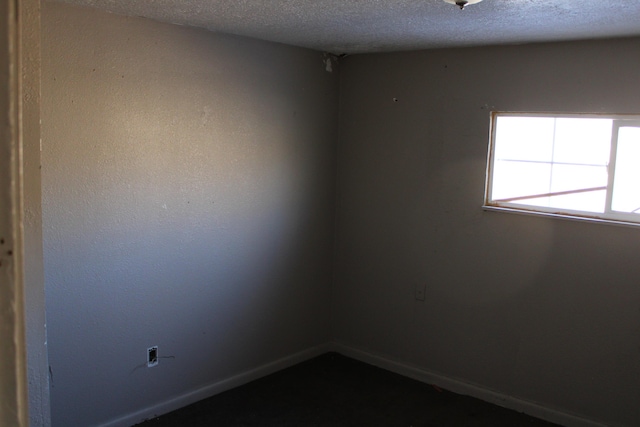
x: 571, y: 165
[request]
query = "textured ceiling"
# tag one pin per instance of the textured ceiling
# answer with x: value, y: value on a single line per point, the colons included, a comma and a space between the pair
x: 357, y: 26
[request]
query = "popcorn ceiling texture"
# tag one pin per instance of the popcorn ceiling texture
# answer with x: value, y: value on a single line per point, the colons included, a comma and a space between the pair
x: 359, y: 26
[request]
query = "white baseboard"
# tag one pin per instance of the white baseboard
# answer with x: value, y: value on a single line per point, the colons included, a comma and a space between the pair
x: 451, y: 384
x: 461, y: 387
x: 217, y: 387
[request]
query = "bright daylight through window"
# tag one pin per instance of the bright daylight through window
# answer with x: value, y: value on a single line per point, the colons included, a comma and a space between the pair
x: 573, y: 165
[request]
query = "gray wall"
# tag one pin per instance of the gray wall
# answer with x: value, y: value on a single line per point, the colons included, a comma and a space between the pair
x: 188, y: 202
x: 37, y: 362
x: 542, y: 309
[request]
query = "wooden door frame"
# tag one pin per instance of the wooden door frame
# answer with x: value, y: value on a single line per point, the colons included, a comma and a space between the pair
x: 13, y: 382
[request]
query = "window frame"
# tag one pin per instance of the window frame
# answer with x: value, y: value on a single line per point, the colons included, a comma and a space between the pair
x: 608, y: 216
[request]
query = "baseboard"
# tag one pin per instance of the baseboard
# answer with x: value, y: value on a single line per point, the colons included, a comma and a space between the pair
x: 461, y: 387
x: 443, y: 381
x: 217, y: 387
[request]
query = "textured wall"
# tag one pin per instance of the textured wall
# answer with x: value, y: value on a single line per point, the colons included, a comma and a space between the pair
x: 38, y: 367
x: 188, y: 193
x: 542, y: 309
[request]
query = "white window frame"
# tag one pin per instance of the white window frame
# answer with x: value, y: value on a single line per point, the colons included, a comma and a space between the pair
x: 511, y: 205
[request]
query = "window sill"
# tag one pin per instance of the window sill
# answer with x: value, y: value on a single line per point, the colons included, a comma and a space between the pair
x: 561, y: 216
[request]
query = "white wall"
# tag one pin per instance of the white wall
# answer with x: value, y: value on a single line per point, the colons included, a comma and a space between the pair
x: 540, y: 309
x: 188, y: 202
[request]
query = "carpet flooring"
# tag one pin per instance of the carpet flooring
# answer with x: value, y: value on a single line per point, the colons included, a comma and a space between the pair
x: 333, y: 390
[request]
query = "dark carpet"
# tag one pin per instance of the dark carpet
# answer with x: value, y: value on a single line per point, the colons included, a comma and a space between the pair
x: 333, y: 390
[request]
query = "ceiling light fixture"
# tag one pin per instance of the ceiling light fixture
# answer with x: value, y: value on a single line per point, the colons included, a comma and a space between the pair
x: 462, y: 3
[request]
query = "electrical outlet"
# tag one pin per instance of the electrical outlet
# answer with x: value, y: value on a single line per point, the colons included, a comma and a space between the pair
x: 420, y: 291
x: 152, y: 356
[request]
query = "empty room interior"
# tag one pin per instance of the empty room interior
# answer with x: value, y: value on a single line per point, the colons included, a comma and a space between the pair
x: 244, y: 186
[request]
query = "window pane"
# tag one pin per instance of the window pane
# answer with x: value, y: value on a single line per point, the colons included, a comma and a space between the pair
x: 514, y: 179
x: 593, y: 201
x: 626, y: 186
x: 584, y: 141
x: 576, y: 177
x: 524, y: 138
